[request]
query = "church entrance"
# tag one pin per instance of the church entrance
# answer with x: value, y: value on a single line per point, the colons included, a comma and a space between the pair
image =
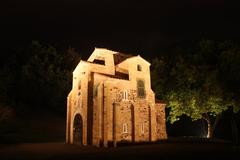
x: 77, y: 130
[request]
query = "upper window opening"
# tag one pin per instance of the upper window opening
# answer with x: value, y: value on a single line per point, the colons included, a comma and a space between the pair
x: 141, y: 88
x: 98, y: 61
x: 139, y: 67
x: 79, y: 84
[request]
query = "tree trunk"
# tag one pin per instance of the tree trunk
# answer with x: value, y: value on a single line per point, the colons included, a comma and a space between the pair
x: 211, y: 127
x: 210, y: 130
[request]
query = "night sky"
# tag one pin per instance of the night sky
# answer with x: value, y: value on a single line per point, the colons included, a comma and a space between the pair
x: 127, y: 26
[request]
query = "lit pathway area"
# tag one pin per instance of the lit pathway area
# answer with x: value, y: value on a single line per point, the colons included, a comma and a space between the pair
x: 163, y: 150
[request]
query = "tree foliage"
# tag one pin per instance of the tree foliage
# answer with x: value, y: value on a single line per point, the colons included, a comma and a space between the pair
x: 38, y: 76
x: 201, y: 82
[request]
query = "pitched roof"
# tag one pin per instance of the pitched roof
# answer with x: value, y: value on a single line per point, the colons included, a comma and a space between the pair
x: 119, y: 57
x: 138, y: 56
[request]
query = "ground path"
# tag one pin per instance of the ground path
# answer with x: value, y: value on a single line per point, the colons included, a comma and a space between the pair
x: 179, y: 150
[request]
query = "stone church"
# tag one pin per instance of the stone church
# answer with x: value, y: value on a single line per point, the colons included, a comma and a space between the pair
x: 112, y: 102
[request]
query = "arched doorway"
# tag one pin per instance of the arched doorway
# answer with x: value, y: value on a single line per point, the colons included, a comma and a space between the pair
x: 77, y: 130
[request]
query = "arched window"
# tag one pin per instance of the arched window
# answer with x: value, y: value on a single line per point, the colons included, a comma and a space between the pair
x: 125, y: 95
x: 140, y: 88
x: 125, y: 128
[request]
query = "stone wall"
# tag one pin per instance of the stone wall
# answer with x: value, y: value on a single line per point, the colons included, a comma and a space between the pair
x: 110, y: 107
x: 161, y: 121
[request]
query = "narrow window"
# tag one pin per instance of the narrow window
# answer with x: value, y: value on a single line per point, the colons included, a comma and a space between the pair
x: 79, y: 84
x: 124, y: 128
x: 142, y: 128
x: 141, y: 88
x: 139, y: 67
x: 125, y: 95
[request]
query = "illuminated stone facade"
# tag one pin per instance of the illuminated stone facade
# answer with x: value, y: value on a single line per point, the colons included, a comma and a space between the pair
x: 111, y: 101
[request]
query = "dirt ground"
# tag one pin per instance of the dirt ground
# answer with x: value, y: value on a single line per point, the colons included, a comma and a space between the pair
x: 177, y: 150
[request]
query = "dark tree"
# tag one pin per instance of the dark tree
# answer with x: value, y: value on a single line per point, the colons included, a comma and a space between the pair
x: 190, y: 82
